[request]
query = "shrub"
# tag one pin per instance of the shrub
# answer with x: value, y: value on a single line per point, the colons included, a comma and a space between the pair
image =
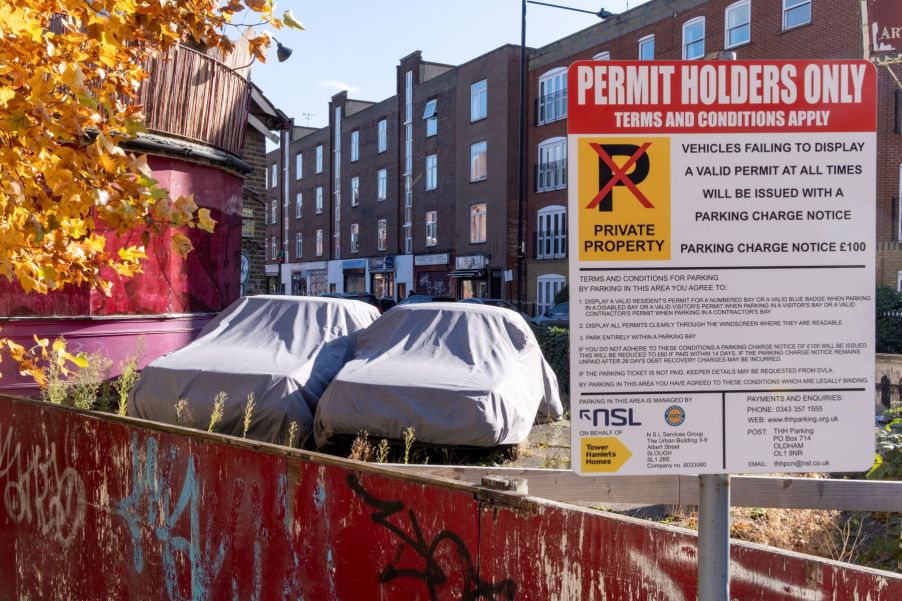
x: 562, y: 296
x: 555, y: 345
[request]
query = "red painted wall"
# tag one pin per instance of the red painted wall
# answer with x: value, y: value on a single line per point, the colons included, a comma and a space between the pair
x: 206, y: 281
x: 105, y: 508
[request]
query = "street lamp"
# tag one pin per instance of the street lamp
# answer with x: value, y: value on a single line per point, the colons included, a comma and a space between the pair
x: 521, y: 168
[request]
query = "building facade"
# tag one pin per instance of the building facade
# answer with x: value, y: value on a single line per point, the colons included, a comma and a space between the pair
x: 453, y: 158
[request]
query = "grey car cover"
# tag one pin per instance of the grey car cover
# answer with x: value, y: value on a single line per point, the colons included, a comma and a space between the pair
x: 285, y: 350
x: 459, y: 374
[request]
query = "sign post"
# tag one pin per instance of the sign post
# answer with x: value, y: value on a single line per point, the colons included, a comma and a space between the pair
x: 722, y: 244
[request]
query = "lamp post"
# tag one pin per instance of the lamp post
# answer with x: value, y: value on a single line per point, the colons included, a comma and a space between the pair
x: 521, y: 145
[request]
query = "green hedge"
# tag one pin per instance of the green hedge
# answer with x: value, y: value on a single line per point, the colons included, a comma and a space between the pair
x: 889, y: 324
x: 555, y: 345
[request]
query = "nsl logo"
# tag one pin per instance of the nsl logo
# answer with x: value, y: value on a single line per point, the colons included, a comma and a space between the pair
x: 609, y: 417
x: 610, y: 175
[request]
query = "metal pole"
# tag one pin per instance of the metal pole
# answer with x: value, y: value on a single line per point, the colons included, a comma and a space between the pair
x: 714, y: 537
x: 521, y: 165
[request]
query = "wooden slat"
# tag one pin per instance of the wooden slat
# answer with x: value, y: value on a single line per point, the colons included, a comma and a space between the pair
x: 747, y: 491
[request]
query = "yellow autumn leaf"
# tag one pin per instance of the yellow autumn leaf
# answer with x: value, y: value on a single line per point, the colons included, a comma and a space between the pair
x: 181, y: 244
x: 290, y: 21
x: 204, y: 221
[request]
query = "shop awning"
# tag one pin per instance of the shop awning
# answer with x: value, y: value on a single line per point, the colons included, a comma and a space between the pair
x: 468, y: 274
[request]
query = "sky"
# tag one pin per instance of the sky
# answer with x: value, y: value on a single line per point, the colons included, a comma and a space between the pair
x: 355, y: 45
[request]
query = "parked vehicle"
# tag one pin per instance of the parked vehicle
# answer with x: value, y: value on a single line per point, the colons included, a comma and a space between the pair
x: 284, y: 350
x: 494, y: 302
x: 383, y: 304
x: 557, y: 316
x: 459, y: 374
x: 425, y: 298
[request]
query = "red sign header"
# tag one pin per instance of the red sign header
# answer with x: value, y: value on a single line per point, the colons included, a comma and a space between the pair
x: 721, y: 96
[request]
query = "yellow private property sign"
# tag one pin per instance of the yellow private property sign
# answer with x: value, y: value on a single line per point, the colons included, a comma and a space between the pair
x: 624, y: 199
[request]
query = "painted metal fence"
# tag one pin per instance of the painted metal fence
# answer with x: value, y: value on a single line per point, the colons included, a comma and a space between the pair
x: 96, y: 507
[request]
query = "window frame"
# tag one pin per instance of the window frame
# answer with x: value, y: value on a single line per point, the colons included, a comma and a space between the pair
x: 430, y: 116
x: 643, y: 41
x: 382, y: 136
x: 299, y: 166
x: 273, y: 249
x: 741, y: 4
x: 273, y: 211
x: 478, y: 223
x: 319, y: 243
x: 604, y: 55
x: 685, y: 45
x: 382, y: 185
x: 553, y: 284
x: 355, y: 191
x: 431, y: 172
x: 319, y: 158
x: 551, y: 243
x: 786, y: 10
x: 273, y: 176
x: 381, y: 234
x: 319, y: 200
x: 298, y: 245
x: 298, y: 205
x: 355, y: 145
x: 431, y: 226
x: 479, y: 100
x: 355, y: 238
x: 559, y: 144
x: 474, y: 162
x: 556, y: 79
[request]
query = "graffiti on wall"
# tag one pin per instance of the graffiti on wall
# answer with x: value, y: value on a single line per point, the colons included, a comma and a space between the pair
x: 151, y: 507
x: 36, y: 491
x: 431, y: 573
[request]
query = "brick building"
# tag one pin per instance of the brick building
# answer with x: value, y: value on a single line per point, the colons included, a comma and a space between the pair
x: 453, y: 171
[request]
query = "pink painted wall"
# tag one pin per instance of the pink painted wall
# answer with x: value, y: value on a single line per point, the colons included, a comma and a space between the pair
x: 107, y: 508
x: 206, y: 281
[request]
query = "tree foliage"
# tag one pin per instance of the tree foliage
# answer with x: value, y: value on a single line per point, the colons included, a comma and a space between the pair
x: 70, y: 71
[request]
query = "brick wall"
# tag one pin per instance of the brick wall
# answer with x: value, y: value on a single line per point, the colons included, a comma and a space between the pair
x: 252, y: 238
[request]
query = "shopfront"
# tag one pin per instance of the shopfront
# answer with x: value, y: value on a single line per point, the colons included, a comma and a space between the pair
x: 382, y: 276
x: 471, y: 277
x: 430, y: 274
x: 273, y: 285
x: 354, y: 275
x: 308, y: 279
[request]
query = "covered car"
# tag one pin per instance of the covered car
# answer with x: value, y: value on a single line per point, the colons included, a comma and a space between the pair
x: 284, y: 350
x: 459, y: 374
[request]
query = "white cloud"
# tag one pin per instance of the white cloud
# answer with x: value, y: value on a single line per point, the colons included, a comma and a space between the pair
x: 334, y: 84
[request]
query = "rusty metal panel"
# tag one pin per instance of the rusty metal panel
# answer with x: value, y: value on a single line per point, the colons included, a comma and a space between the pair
x: 561, y: 553
x: 103, y: 508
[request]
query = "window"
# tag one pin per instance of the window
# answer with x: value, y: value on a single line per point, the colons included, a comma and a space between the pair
x: 431, y: 116
x: 431, y: 228
x: 382, y: 136
x: 319, y: 200
x: 477, y: 162
x: 479, y: 93
x: 355, y: 145
x: 737, y: 18
x: 647, y: 48
x: 355, y: 237
x: 477, y: 223
x: 273, y: 176
x: 694, y: 38
x: 298, y: 245
x: 273, y: 211
x: 319, y: 158
x: 547, y: 287
x: 432, y: 172
x: 602, y: 56
x: 355, y: 191
x: 298, y: 205
x: 796, y: 12
x: 551, y: 237
x: 381, y: 234
x: 552, y: 170
x: 273, y: 249
x: 298, y: 166
x: 382, y: 184
x: 319, y: 243
x: 552, y: 104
